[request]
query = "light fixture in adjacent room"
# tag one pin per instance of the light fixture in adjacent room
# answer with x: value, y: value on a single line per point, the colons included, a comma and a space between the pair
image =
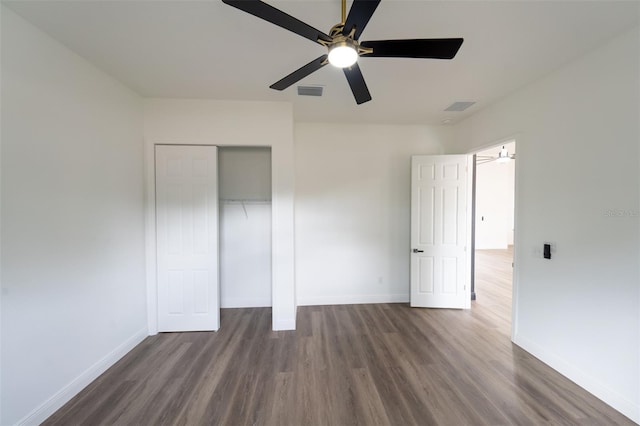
x: 503, y: 156
x: 343, y: 54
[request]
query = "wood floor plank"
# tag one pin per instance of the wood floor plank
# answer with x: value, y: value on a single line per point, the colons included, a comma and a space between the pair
x: 382, y: 364
x: 152, y: 391
x: 280, y: 412
x: 369, y: 406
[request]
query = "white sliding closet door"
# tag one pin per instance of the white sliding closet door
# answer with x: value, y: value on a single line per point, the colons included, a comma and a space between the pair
x: 187, y: 238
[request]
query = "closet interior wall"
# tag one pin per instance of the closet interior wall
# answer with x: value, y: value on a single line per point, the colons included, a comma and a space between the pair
x: 245, y: 226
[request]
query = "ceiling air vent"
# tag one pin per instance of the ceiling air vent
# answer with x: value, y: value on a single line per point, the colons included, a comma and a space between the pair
x: 459, y: 106
x: 310, y: 90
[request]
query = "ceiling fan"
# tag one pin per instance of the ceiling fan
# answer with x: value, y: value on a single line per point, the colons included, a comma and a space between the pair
x: 344, y: 47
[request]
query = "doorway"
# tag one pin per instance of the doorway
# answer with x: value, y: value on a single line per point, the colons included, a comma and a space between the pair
x: 493, y: 230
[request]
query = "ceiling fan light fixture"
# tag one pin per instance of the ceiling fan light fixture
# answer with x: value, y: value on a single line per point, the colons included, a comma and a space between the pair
x: 503, y: 156
x: 342, y: 54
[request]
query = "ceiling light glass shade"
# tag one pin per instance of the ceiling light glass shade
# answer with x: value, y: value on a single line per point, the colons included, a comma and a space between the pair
x: 342, y: 55
x: 503, y: 156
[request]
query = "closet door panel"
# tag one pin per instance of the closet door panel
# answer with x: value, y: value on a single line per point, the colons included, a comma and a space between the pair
x: 187, y: 238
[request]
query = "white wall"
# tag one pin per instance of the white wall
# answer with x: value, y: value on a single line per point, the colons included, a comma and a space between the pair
x: 231, y: 123
x: 245, y: 226
x: 72, y: 218
x: 494, y: 205
x: 353, y: 210
x: 577, y: 133
x: 245, y: 254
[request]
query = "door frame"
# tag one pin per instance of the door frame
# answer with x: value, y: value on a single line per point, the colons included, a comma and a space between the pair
x: 517, y: 252
x: 281, y: 240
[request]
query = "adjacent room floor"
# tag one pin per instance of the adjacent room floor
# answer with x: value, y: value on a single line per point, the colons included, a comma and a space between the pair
x: 494, y: 277
x: 383, y: 364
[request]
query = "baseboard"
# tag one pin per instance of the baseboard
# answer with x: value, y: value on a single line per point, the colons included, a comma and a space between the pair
x: 582, y: 379
x: 65, y: 394
x: 357, y: 299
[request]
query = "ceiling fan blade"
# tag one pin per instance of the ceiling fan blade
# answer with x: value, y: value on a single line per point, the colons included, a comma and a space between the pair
x: 300, y: 73
x: 359, y: 15
x: 357, y: 84
x: 270, y: 14
x: 431, y: 48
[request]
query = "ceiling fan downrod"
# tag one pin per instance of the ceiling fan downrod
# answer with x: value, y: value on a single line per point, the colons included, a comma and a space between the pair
x: 343, y: 49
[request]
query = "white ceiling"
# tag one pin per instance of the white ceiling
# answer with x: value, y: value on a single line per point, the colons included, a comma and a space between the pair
x: 206, y: 49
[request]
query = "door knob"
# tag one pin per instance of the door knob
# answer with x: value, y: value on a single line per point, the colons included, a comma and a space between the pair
x: 418, y: 251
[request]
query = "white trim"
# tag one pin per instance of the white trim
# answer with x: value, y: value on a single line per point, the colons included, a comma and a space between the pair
x: 355, y: 299
x: 64, y: 395
x: 582, y: 378
x: 1, y: 283
x: 517, y: 249
x: 1, y: 286
x: 150, y: 238
x: 469, y: 231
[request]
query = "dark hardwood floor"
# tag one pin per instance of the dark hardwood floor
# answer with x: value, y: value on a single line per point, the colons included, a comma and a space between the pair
x: 384, y: 364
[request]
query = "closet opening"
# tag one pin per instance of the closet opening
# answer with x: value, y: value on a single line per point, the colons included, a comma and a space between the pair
x: 245, y: 224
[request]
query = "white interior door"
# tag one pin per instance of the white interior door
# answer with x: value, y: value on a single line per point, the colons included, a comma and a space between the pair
x: 439, y: 231
x: 187, y: 238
